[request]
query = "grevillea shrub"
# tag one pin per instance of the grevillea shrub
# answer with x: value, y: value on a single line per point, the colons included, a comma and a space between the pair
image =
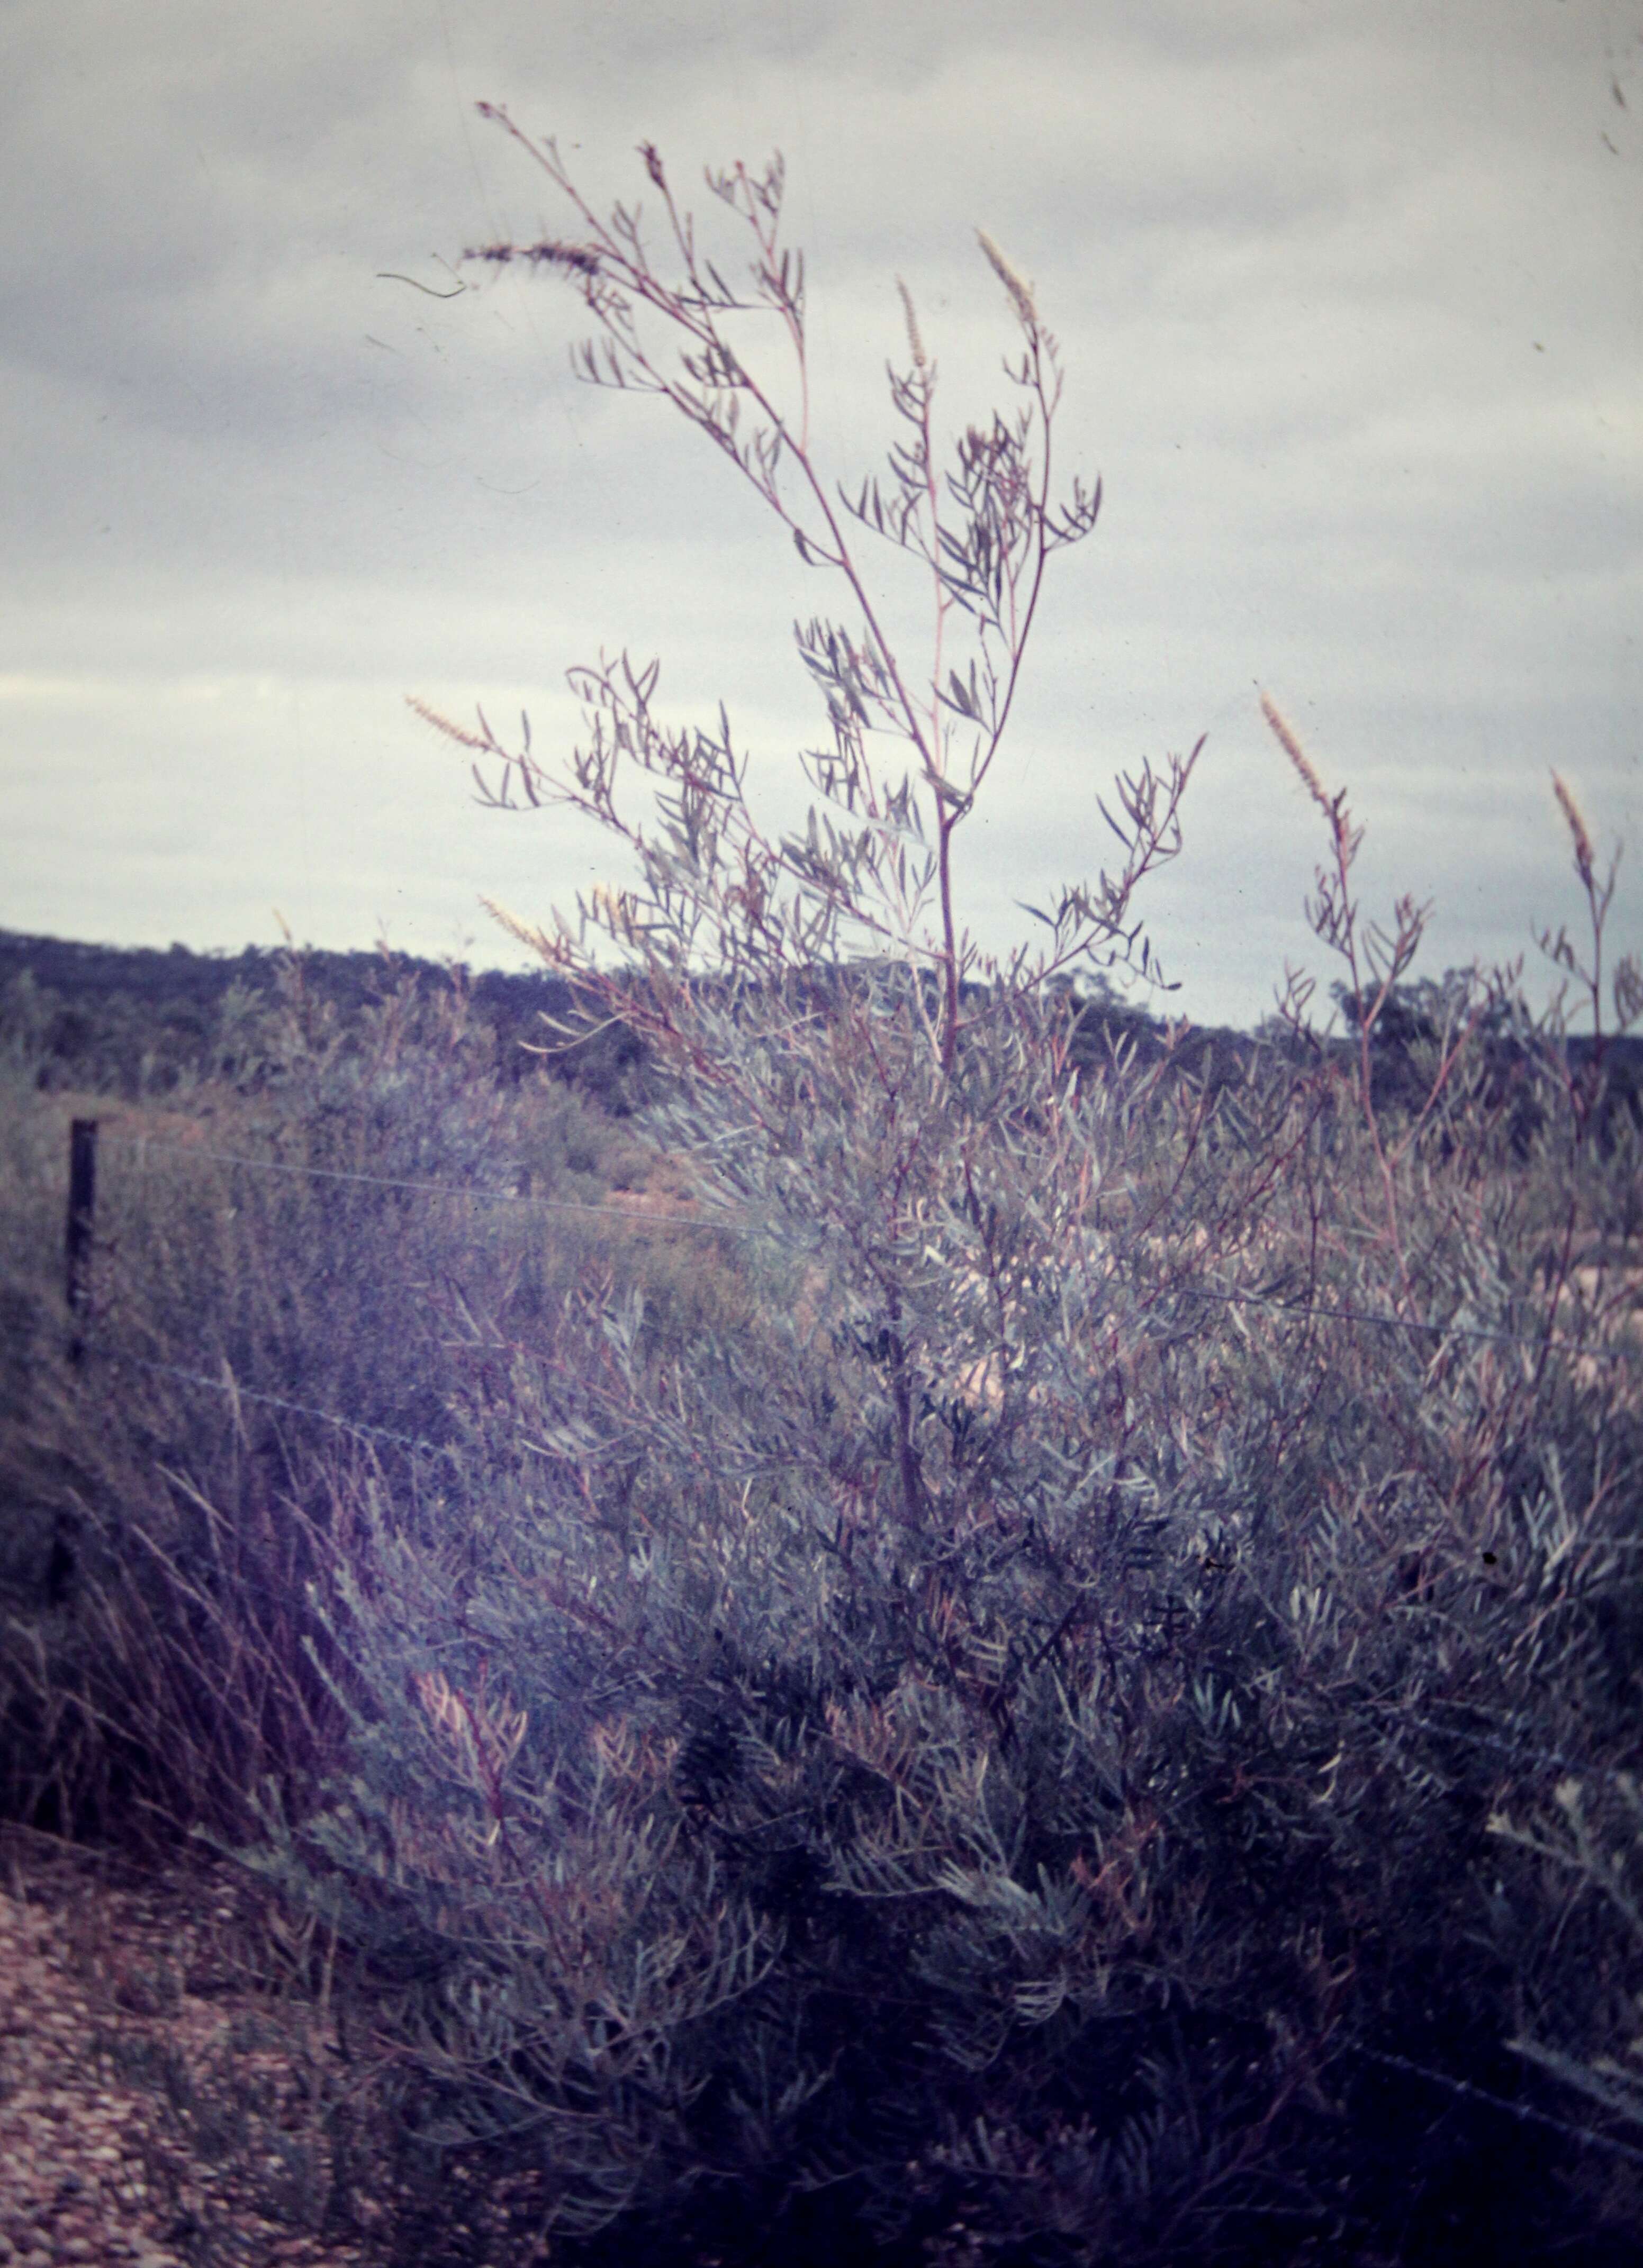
x: 1033, y: 1732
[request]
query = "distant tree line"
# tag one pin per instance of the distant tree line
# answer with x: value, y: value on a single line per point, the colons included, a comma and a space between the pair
x: 137, y: 1021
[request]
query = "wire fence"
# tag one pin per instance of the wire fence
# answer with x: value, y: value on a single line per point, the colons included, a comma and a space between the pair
x: 82, y: 1202
x: 142, y: 1149
x: 1586, y: 2137
x: 1538, y: 1342
x: 232, y: 1387
x: 81, y: 1212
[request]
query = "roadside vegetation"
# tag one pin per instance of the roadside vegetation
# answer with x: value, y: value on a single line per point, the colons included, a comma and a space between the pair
x: 986, y: 1632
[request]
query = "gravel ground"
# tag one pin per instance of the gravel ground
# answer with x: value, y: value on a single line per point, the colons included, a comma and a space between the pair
x: 157, y: 2104
x: 167, y: 2102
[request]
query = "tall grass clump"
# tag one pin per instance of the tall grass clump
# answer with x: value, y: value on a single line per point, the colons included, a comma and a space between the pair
x: 1078, y: 1707
x: 299, y: 1267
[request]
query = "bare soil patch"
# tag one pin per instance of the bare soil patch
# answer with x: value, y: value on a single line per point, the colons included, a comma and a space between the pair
x: 167, y: 2101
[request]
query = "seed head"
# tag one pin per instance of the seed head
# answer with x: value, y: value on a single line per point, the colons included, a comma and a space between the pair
x: 574, y: 259
x: 916, y: 344
x: 1291, y: 748
x: 527, y: 933
x: 612, y: 907
x: 457, y: 733
x: 1021, y: 293
x: 1583, y: 861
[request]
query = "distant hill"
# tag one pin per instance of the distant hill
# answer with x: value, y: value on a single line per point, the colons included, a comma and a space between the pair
x: 137, y: 1019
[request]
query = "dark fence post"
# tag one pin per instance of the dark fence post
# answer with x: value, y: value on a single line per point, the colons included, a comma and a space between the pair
x: 77, y: 1239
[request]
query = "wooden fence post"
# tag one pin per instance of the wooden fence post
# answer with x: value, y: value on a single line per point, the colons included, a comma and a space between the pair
x: 78, y: 1237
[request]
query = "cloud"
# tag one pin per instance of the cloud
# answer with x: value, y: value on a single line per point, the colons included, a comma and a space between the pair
x: 1349, y: 306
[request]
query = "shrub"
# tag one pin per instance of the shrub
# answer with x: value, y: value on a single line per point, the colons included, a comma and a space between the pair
x: 974, y: 1716
x: 995, y: 1754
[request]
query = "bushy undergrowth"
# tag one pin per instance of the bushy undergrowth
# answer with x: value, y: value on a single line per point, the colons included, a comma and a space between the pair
x: 1056, y: 1683
x: 1038, y: 1842
x: 331, y: 1231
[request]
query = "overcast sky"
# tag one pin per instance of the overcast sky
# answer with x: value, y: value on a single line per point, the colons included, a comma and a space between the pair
x: 1351, y: 299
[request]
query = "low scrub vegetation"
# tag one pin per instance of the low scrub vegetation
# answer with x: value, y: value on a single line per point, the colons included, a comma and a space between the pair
x: 1026, y: 1649
x: 147, y: 1026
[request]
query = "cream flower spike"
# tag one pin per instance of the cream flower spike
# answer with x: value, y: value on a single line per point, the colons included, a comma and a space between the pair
x: 1019, y: 292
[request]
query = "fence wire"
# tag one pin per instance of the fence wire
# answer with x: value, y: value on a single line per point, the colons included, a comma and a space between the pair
x: 232, y: 1387
x: 1538, y: 1343
x: 142, y: 1148
x: 145, y: 1149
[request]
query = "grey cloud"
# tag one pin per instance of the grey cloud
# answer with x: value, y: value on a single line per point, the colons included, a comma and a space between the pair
x: 1350, y: 307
